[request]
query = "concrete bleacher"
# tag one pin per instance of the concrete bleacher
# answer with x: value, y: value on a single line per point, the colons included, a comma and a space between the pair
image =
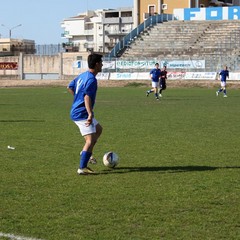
x: 175, y: 40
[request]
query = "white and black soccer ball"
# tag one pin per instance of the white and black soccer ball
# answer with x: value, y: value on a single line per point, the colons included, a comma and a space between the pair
x: 110, y: 159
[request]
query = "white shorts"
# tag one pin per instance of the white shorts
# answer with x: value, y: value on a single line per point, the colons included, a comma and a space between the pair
x: 223, y: 84
x: 154, y: 84
x: 84, y: 130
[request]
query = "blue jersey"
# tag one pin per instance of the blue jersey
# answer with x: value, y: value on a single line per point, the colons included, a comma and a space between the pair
x: 155, y: 73
x: 84, y: 84
x: 224, y: 74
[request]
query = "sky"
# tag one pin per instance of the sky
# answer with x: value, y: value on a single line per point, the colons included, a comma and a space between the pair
x: 40, y: 20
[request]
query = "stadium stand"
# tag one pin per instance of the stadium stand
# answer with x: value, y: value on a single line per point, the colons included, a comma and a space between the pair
x: 214, y: 41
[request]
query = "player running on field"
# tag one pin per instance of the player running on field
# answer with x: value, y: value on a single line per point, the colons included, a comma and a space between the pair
x: 154, y: 75
x: 224, y: 74
x: 162, y: 82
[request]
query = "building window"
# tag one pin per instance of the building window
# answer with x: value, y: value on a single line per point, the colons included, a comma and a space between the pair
x: 126, y: 14
x: 111, y: 14
x: 151, y: 10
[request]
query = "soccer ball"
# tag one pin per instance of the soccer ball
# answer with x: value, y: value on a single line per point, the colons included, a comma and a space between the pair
x: 110, y: 159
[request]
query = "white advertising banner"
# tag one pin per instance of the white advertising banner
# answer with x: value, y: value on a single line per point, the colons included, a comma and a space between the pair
x: 201, y: 75
x: 176, y: 75
x: 130, y: 76
x: 234, y: 76
x: 170, y: 76
x: 102, y: 76
x: 135, y: 64
x: 189, y: 64
x: 182, y: 64
x: 143, y: 76
x: 108, y: 65
x: 123, y: 76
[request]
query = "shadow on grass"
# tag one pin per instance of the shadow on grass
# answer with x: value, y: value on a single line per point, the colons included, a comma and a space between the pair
x: 17, y: 121
x: 173, y: 169
x: 181, y: 99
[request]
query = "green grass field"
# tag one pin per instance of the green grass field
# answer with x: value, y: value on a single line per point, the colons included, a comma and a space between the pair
x: 178, y: 177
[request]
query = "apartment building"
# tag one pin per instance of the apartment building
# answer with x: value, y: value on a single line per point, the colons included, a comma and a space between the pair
x: 97, y: 30
x: 13, y: 47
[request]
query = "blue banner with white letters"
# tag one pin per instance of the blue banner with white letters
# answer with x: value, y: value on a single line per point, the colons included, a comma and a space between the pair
x: 210, y: 13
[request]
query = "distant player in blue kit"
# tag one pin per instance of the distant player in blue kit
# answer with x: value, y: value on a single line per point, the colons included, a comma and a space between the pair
x: 154, y: 75
x: 162, y: 83
x: 224, y: 74
x: 84, y: 90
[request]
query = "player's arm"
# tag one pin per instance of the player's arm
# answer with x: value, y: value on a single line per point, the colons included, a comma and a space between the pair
x: 70, y: 91
x: 71, y: 87
x: 88, y: 105
x: 151, y: 74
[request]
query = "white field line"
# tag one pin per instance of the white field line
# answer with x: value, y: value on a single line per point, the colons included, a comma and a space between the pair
x: 15, y: 237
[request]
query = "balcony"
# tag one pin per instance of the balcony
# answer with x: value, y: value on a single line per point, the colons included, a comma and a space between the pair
x: 127, y: 19
x: 113, y: 20
x: 116, y: 33
x: 89, y: 32
x: 117, y: 20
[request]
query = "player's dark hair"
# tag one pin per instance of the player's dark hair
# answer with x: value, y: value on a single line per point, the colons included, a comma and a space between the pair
x: 94, y: 58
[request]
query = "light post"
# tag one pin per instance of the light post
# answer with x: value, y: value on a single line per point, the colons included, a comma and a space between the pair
x: 10, y: 29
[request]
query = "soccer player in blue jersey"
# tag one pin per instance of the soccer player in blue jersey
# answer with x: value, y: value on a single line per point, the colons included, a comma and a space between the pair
x: 154, y: 75
x: 84, y: 90
x: 224, y: 74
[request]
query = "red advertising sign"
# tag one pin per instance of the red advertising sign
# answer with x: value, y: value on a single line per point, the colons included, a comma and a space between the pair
x: 8, y: 65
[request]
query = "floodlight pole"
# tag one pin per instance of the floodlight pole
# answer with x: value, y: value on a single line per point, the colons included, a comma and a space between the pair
x: 10, y: 29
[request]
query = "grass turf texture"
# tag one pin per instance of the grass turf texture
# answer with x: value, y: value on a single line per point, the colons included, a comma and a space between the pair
x: 178, y: 176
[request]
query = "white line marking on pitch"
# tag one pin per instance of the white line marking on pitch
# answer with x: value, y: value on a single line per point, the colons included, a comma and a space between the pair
x: 12, y: 236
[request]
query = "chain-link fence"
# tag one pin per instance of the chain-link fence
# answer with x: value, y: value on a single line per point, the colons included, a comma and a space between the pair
x: 226, y: 53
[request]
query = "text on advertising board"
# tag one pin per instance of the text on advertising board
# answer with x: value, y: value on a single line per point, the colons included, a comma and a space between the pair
x: 8, y: 66
x: 211, y: 13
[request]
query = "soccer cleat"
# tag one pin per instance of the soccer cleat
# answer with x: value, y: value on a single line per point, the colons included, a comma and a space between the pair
x: 93, y: 160
x: 147, y: 93
x: 217, y: 93
x: 85, y: 171
x: 160, y: 95
x: 157, y: 98
x: 225, y: 95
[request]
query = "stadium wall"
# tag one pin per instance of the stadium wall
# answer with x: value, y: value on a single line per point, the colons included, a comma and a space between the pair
x: 65, y: 66
x: 28, y: 66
